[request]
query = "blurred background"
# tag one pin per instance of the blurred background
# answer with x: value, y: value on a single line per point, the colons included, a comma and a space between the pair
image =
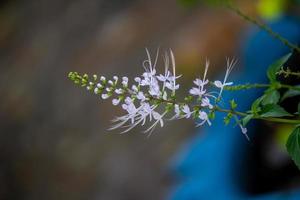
x: 54, y: 141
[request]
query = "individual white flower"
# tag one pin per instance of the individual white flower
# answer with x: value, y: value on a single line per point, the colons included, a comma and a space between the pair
x: 187, y: 111
x: 99, y: 85
x: 221, y: 85
x: 134, y: 88
x: 177, y: 111
x: 105, y: 96
x: 115, y: 78
x: 115, y: 102
x: 141, y: 96
x: 154, y: 89
x: 197, y: 92
x: 119, y: 91
x: 108, y: 89
x: 125, y: 81
x: 88, y: 87
x: 110, y: 82
x: 96, y: 90
x: 102, y: 78
x: 128, y: 100
x: 206, y: 103
x: 171, y: 86
x: 159, y: 119
x: 204, y: 117
x: 244, y: 131
x: 145, y: 111
x: 138, y: 80
x: 200, y: 83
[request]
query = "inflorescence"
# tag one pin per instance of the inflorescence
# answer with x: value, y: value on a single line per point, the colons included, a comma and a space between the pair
x: 152, y: 96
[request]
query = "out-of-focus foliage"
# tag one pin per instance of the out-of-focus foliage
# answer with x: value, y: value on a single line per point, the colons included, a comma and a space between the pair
x: 271, y: 9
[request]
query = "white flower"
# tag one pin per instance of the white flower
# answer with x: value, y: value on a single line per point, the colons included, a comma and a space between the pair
x: 115, y: 78
x: 125, y: 81
x: 244, y: 131
x: 102, y: 78
x: 171, y: 86
x: 134, y: 88
x: 221, y: 85
x: 110, y: 82
x: 138, y: 80
x: 197, y: 92
x: 108, y: 89
x: 105, y: 96
x: 187, y: 111
x: 119, y: 91
x: 96, y: 90
x: 115, y: 102
x: 204, y: 117
x: 141, y: 96
x: 206, y: 103
x: 200, y: 91
x: 154, y: 89
x: 99, y: 85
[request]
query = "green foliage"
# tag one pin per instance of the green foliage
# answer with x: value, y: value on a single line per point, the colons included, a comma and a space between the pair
x: 233, y: 104
x: 228, y: 118
x: 246, y: 119
x: 290, y: 93
x: 271, y: 97
x: 274, y: 110
x: 293, y: 146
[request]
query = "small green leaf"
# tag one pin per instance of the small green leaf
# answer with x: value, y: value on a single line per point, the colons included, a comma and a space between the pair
x: 233, y: 105
x: 271, y: 97
x: 274, y: 110
x: 293, y: 146
x: 246, y: 119
x: 274, y: 68
x: 290, y: 93
x: 227, y: 118
x: 255, y: 105
x: 211, y: 115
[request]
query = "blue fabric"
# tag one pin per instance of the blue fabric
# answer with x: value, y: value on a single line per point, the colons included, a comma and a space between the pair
x: 210, y: 164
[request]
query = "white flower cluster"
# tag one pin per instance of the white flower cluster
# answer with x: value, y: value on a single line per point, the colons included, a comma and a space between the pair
x: 152, y: 96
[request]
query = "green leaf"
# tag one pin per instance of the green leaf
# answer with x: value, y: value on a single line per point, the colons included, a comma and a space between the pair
x: 274, y: 110
x: 233, y: 104
x: 293, y: 146
x: 246, y: 119
x: 271, y: 97
x: 290, y: 93
x: 255, y: 105
x: 274, y: 68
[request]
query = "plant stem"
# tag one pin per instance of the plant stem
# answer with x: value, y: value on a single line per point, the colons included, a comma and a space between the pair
x: 242, y: 114
x: 262, y: 26
x: 256, y: 85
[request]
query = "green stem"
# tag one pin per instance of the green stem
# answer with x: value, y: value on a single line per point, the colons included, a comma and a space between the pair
x: 256, y: 86
x: 271, y: 119
x: 262, y: 26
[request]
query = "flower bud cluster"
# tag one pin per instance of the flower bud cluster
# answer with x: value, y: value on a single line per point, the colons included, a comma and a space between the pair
x: 152, y: 96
